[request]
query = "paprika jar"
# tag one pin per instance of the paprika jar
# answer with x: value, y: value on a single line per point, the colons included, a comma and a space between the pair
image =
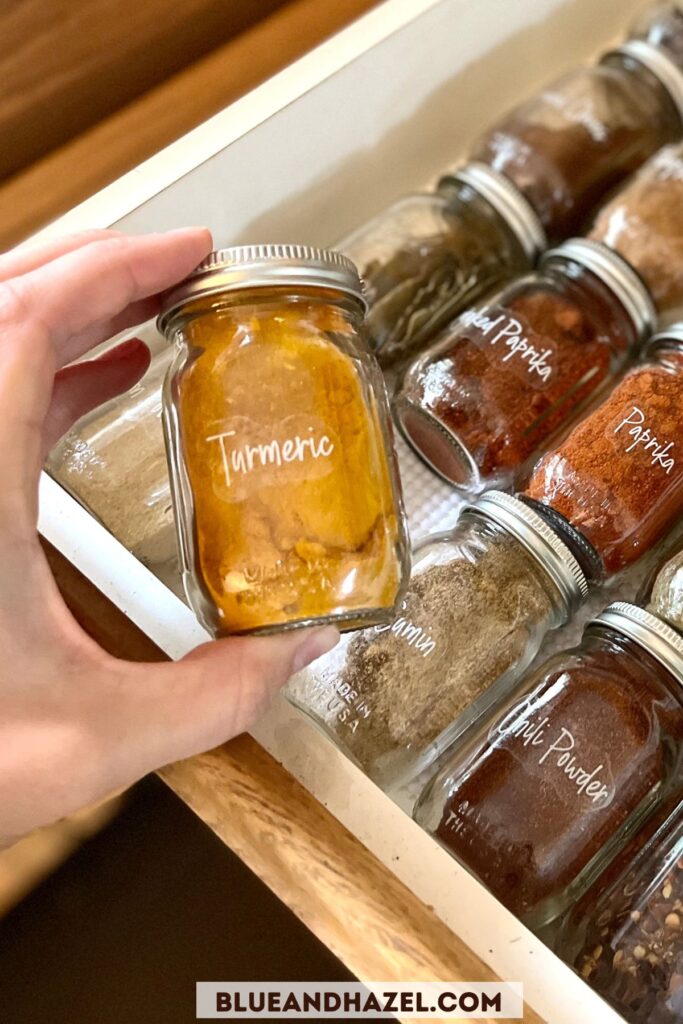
x: 567, y: 147
x: 618, y: 476
x: 549, y: 789
x: 427, y: 257
x: 626, y: 939
x: 495, y: 387
x: 480, y: 600
x: 661, y: 25
x: 283, y: 476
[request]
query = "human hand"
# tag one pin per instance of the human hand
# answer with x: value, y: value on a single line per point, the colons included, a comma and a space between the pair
x: 76, y: 723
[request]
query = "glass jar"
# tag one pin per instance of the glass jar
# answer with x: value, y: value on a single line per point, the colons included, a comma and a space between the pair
x: 549, y: 789
x: 662, y: 593
x: 644, y: 224
x: 489, y: 394
x: 427, y: 257
x: 480, y: 600
x: 662, y: 26
x: 581, y: 136
x: 626, y: 940
x: 284, y: 480
x: 618, y: 477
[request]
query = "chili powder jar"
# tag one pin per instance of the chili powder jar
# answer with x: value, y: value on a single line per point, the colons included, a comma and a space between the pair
x: 618, y: 476
x: 662, y: 26
x: 494, y: 388
x: 480, y: 600
x: 626, y: 939
x: 429, y: 256
x: 284, y: 481
x: 549, y: 790
x: 567, y: 147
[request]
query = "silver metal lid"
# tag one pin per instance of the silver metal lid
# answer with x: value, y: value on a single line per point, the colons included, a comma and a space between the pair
x: 671, y: 337
x: 540, y: 540
x: 656, y: 61
x: 507, y: 200
x: 617, y: 274
x: 659, y: 639
x: 265, y: 266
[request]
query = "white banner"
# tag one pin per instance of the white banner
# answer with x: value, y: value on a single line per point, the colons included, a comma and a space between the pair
x: 230, y: 1000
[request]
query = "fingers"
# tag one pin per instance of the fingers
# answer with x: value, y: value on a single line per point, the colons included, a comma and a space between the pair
x: 32, y: 255
x: 217, y: 692
x: 84, y: 386
x: 67, y: 297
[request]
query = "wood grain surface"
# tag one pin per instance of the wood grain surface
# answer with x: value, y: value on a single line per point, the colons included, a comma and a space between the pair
x: 77, y: 170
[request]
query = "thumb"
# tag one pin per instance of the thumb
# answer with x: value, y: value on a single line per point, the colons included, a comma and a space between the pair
x: 216, y: 692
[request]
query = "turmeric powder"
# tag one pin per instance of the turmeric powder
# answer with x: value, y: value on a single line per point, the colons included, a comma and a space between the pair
x: 280, y: 434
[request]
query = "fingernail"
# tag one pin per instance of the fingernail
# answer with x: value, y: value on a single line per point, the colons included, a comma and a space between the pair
x: 180, y: 232
x: 133, y: 346
x: 313, y: 646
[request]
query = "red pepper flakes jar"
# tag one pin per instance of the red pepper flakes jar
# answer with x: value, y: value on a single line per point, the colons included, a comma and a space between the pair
x: 541, y: 797
x: 618, y: 477
x: 494, y: 389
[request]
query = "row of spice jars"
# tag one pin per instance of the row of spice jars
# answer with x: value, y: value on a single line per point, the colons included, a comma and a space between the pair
x: 538, y: 174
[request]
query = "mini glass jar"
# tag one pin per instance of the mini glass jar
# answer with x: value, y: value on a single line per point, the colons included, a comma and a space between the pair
x: 283, y: 475
x: 480, y: 600
x: 662, y: 26
x: 626, y: 940
x: 489, y: 394
x: 427, y: 257
x: 545, y: 794
x: 618, y: 476
x: 662, y: 593
x: 581, y: 136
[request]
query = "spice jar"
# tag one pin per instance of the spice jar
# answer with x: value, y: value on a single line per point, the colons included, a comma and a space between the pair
x: 427, y: 257
x: 547, y: 791
x: 496, y: 386
x: 663, y: 591
x: 627, y: 941
x: 662, y: 26
x: 283, y: 477
x: 581, y: 136
x: 480, y: 600
x: 644, y: 223
x: 618, y: 477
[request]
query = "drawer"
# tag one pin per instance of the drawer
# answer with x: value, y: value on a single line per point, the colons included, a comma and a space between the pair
x: 377, y: 111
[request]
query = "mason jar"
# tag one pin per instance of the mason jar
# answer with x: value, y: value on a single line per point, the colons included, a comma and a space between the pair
x: 284, y: 481
x: 480, y: 600
x: 427, y: 257
x: 617, y: 478
x: 567, y: 147
x: 493, y: 390
x: 662, y: 592
x: 661, y: 25
x: 539, y: 800
x: 626, y: 938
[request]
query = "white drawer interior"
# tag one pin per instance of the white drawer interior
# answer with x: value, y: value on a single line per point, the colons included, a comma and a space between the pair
x: 377, y: 111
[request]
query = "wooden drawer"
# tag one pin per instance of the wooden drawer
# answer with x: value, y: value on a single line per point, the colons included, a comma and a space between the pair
x: 378, y: 110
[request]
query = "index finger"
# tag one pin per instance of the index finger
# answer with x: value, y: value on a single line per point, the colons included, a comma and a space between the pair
x: 79, y: 289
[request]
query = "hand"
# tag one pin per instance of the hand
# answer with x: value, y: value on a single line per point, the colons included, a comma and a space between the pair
x: 76, y: 723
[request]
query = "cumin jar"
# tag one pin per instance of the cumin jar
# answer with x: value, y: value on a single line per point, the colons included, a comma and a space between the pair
x: 429, y: 256
x: 284, y: 481
x: 497, y: 386
x: 552, y: 786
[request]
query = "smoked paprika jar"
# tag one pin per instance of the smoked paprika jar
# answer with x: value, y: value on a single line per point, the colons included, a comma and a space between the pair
x: 284, y: 481
x: 480, y: 601
x: 427, y: 257
x: 618, y: 476
x: 494, y: 388
x: 567, y: 147
x: 551, y: 788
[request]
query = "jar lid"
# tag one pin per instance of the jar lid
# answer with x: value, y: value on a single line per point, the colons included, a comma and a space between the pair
x: 507, y: 201
x: 540, y: 540
x: 649, y: 631
x: 617, y: 274
x: 264, y: 266
x: 656, y: 61
x: 672, y: 337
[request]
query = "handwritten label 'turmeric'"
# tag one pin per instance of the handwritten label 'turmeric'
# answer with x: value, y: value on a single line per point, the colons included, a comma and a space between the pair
x: 510, y: 332
x: 660, y: 453
x: 241, y: 460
